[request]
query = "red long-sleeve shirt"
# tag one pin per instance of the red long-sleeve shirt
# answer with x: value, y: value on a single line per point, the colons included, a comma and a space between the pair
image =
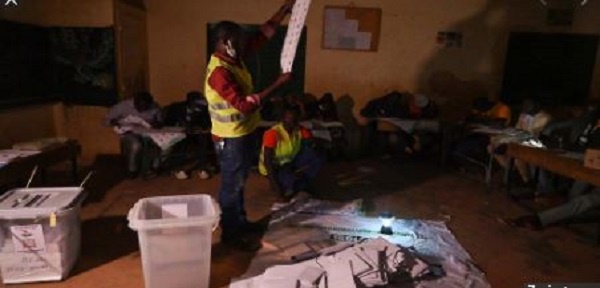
x: 223, y: 81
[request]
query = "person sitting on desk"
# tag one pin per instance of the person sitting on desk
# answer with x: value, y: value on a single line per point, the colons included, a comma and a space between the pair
x: 581, y: 199
x: 141, y: 111
x: 287, y: 158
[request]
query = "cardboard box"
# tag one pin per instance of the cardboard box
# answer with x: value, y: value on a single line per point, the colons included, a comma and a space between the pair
x: 592, y: 159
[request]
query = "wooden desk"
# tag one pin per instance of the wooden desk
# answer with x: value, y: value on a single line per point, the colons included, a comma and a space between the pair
x: 409, y: 125
x: 21, y: 168
x: 551, y: 161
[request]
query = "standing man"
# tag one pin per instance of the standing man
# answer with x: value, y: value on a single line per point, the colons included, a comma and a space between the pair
x: 234, y: 110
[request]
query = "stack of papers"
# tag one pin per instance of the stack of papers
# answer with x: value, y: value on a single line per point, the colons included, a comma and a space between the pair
x: 368, y: 264
x: 131, y: 123
x: 497, y: 131
x: 9, y: 155
x: 40, y: 144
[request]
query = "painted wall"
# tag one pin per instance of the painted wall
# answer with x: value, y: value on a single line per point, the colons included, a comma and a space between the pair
x: 25, y: 124
x: 77, y: 122
x: 408, y: 56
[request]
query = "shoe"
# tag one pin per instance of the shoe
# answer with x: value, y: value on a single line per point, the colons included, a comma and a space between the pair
x: 152, y: 174
x: 521, y: 194
x: 531, y: 222
x: 549, y: 200
x: 181, y: 175
x: 253, y: 227
x: 289, y: 193
x: 132, y: 174
x: 204, y: 175
x: 241, y: 242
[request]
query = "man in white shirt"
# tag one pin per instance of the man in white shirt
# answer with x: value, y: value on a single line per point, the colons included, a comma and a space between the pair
x: 139, y: 111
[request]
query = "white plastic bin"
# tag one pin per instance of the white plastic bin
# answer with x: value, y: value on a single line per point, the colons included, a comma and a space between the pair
x: 175, y: 234
x: 40, y: 233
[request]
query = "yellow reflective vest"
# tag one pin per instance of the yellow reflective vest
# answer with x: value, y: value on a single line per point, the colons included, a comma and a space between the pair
x: 286, y: 150
x: 228, y: 122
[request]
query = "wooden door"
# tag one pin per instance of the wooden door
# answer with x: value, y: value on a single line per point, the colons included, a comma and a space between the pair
x: 132, y: 48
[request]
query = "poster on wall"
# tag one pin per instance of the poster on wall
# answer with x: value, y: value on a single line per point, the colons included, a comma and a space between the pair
x: 83, y: 61
x: 351, y: 28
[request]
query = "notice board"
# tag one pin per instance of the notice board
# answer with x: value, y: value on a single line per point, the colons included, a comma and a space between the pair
x: 351, y: 28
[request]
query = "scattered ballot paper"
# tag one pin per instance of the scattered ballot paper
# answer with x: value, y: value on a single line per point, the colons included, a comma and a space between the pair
x: 368, y: 264
x: 9, y: 155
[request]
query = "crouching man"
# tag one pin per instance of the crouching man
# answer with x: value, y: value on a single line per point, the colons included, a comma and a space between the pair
x: 287, y: 157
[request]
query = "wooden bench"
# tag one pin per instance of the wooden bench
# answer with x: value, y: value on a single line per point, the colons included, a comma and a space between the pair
x: 552, y: 161
x: 20, y: 169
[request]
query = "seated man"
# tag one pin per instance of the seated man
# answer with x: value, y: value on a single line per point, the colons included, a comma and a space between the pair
x: 417, y: 106
x: 532, y: 120
x: 579, y: 202
x: 287, y: 157
x: 192, y: 114
x: 141, y: 111
x: 571, y: 135
x: 483, y: 112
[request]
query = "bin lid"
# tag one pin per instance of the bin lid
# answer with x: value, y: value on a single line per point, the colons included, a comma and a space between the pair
x: 33, y: 202
x: 202, y: 209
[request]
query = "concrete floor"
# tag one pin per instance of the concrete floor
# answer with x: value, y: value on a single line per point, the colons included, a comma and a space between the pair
x: 510, y: 257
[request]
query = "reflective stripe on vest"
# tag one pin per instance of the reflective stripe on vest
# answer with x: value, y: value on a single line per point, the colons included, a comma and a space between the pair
x: 220, y: 106
x: 227, y: 118
x: 288, y: 146
x: 227, y: 121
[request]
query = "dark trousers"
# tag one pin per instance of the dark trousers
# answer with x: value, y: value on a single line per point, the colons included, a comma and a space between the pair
x: 308, y: 162
x: 201, y: 143
x: 235, y: 158
x: 473, y: 146
x: 131, y: 150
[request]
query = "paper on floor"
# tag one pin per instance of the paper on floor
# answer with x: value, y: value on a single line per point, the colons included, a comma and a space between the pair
x: 370, y: 263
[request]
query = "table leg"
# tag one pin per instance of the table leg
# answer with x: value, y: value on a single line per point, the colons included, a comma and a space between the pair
x: 598, y: 233
x: 508, y: 176
x: 43, y: 175
x: 74, y: 169
x: 444, y: 147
